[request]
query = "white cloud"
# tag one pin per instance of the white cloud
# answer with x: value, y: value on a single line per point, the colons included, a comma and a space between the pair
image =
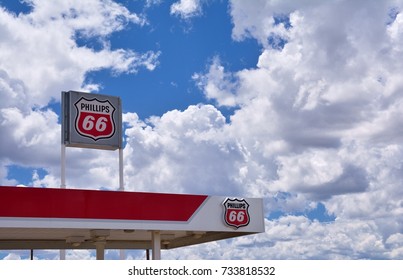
x: 319, y: 173
x: 40, y: 54
x: 35, y: 133
x: 91, y: 18
x: 186, y: 8
x: 12, y: 92
x: 12, y: 256
x: 150, y: 3
x: 4, y: 174
x: 319, y: 117
x: 79, y: 255
x: 293, y: 237
x: 182, y: 152
x: 217, y: 84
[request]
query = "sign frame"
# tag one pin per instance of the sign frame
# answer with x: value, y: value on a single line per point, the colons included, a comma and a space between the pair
x: 85, y: 116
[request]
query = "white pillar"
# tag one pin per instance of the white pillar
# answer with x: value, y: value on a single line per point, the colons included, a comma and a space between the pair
x: 156, y: 245
x: 62, y: 254
x: 63, y: 167
x: 100, y: 246
x: 122, y: 252
x: 121, y: 182
x: 63, y: 184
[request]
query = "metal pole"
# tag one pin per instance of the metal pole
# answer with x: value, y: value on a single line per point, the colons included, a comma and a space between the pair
x: 122, y: 252
x: 63, y: 185
x: 156, y: 245
x: 32, y: 254
x: 63, y: 167
x: 100, y: 247
x: 121, y: 182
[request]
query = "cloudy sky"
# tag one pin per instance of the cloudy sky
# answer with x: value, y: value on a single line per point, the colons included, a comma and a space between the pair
x: 298, y: 102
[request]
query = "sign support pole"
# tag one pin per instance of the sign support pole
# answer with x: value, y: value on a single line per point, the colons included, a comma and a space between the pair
x: 63, y: 167
x: 62, y: 252
x: 63, y: 185
x: 87, y: 118
x: 122, y: 252
x: 121, y: 182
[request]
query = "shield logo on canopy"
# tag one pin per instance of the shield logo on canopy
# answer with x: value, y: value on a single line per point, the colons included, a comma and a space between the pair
x: 236, y: 212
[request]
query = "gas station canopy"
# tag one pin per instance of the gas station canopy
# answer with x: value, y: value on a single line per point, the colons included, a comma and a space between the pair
x: 46, y: 218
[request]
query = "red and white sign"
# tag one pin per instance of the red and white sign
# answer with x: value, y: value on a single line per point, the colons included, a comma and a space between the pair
x: 91, y: 120
x: 94, y: 118
x: 236, y: 212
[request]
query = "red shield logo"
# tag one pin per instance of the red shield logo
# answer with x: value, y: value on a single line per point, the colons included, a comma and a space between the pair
x: 94, y: 118
x: 236, y: 212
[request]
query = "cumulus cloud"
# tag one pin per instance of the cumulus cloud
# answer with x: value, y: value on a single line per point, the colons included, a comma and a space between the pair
x: 318, y: 115
x: 12, y: 256
x: 182, y: 151
x: 217, y: 84
x: 186, y: 8
x: 294, y: 237
x: 12, y: 92
x: 39, y: 49
x: 3, y: 175
x: 305, y: 103
x: 93, y: 18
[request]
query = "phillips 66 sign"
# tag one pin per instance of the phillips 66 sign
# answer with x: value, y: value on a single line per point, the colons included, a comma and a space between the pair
x: 236, y: 212
x: 91, y: 120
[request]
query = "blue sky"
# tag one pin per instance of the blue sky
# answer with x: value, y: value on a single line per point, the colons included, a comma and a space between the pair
x: 298, y: 102
x: 195, y: 41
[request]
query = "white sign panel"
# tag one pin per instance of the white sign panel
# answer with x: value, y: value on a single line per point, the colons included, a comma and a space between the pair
x: 91, y: 120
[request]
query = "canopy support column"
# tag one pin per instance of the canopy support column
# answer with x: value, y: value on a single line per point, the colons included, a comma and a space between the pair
x: 156, y: 245
x: 100, y: 247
